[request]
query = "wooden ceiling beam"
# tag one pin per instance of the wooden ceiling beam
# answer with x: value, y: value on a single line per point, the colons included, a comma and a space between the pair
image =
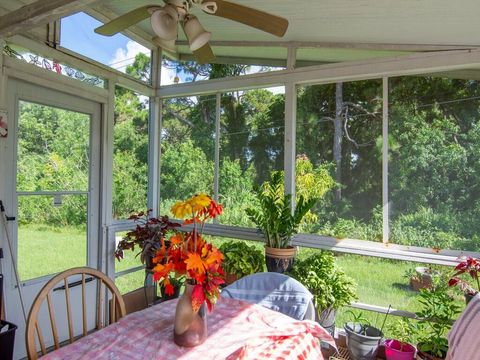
x: 38, y: 13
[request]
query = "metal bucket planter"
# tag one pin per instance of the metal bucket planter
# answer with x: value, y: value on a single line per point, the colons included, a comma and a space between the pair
x: 327, y: 320
x: 363, y: 341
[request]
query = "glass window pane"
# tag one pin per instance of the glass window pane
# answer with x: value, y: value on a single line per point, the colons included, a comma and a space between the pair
x: 339, y: 128
x: 53, y: 149
x: 130, y: 282
x: 52, y: 234
x: 130, y: 153
x: 434, y: 164
x: 117, y: 51
x: 251, y: 147
x: 188, y: 147
x: 130, y: 259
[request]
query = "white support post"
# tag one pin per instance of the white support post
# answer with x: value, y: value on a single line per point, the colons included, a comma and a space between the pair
x: 290, y: 135
x: 291, y: 57
x: 105, y: 258
x: 216, y: 175
x: 154, y: 127
x: 386, y: 215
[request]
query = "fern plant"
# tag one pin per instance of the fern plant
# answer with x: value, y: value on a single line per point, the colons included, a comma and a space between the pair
x: 273, y: 214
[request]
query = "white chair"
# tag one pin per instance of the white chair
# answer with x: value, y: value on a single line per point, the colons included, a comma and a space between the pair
x: 275, y: 291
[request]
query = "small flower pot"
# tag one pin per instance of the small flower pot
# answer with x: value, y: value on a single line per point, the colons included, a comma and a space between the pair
x: 230, y: 278
x: 468, y: 297
x: 279, y: 260
x: 362, y: 341
x: 396, y: 350
x: 422, y: 280
x: 426, y: 356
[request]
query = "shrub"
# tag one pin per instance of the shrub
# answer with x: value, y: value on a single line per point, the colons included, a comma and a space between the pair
x: 330, y: 287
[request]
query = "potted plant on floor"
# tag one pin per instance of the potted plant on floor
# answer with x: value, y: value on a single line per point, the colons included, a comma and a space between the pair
x: 275, y: 218
x: 438, y: 310
x: 363, y: 340
x: 240, y: 260
x: 420, y: 277
x: 399, y: 346
x: 470, y: 266
x: 330, y: 287
x: 147, y: 235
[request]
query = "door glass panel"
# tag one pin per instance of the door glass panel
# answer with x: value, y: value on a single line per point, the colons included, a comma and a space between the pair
x: 53, y: 149
x: 53, y: 162
x: 52, y: 234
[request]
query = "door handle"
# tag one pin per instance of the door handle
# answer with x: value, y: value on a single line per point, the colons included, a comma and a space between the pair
x: 73, y: 284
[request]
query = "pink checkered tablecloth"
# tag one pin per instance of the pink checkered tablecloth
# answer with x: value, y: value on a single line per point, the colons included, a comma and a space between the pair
x: 236, y: 330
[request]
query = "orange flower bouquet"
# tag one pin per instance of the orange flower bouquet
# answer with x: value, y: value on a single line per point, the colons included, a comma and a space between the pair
x: 190, y: 255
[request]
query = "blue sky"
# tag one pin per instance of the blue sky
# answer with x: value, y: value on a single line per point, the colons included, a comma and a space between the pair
x: 77, y: 34
x: 116, y: 51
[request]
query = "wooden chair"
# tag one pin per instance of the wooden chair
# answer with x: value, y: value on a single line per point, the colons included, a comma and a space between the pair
x: 117, y: 308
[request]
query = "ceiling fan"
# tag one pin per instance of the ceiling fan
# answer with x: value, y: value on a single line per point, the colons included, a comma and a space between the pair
x: 164, y: 21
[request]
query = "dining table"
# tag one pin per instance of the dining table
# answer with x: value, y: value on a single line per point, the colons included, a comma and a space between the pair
x: 236, y: 330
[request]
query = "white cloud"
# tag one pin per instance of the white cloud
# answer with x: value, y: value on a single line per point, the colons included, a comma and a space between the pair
x: 124, y: 57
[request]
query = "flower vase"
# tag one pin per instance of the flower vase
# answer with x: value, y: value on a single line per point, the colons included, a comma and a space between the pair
x: 190, y: 328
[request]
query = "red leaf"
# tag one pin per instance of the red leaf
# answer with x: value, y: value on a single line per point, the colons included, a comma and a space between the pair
x: 198, y: 297
x: 453, y: 281
x: 169, y: 289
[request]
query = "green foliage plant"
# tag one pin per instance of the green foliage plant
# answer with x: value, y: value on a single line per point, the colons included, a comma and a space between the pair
x: 438, y: 311
x: 241, y: 259
x: 359, y: 323
x: 330, y: 287
x: 403, y: 330
x: 274, y: 216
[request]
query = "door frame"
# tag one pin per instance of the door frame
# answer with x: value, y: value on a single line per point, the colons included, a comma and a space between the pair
x: 19, y: 90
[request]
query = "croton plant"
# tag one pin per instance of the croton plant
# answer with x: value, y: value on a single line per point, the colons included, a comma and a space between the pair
x: 471, y: 266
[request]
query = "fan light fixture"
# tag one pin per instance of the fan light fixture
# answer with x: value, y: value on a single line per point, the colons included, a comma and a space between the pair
x: 164, y: 22
x: 196, y: 34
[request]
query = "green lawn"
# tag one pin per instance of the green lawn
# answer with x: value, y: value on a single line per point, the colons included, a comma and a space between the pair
x: 45, y: 250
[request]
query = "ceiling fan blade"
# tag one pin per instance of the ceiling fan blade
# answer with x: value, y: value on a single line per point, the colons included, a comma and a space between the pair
x: 204, y: 55
x: 168, y: 45
x: 124, y: 21
x: 261, y: 20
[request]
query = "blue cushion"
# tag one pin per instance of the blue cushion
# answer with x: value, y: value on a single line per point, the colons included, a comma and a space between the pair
x: 275, y: 291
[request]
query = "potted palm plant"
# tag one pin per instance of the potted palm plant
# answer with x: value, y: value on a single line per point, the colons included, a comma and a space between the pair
x: 275, y: 218
x: 330, y: 287
x: 240, y: 260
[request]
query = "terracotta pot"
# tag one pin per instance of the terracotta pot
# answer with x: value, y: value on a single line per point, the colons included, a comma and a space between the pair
x: 423, y: 279
x: 230, y: 278
x: 279, y: 260
x: 190, y: 328
x: 425, y: 356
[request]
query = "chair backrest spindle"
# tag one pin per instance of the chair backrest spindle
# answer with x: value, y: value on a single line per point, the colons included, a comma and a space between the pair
x: 84, y: 307
x: 69, y: 310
